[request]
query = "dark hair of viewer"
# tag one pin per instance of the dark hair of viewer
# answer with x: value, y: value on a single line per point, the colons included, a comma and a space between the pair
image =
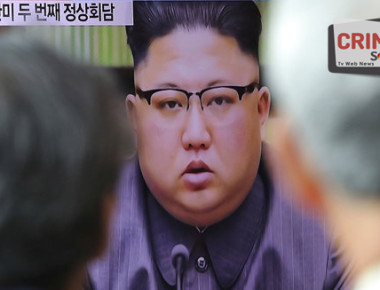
x: 152, y: 19
x: 61, y: 147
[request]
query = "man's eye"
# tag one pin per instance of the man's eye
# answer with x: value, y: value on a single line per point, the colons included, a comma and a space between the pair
x: 219, y: 101
x: 171, y: 105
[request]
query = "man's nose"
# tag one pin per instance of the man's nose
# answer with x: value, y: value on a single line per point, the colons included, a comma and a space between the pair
x: 196, y: 134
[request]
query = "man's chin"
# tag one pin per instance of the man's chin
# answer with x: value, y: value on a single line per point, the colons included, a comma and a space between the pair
x: 201, y: 220
x: 201, y: 211
x: 202, y: 200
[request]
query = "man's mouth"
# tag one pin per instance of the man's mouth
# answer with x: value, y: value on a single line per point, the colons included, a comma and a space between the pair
x: 197, y: 175
x: 197, y: 167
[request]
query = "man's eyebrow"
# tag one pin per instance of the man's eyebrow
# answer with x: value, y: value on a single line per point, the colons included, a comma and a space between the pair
x: 167, y: 85
x: 170, y: 85
x: 217, y: 82
x: 160, y: 86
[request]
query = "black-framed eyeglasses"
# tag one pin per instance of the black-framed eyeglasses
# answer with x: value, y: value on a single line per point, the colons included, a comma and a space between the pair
x: 174, y: 98
x: 218, y: 103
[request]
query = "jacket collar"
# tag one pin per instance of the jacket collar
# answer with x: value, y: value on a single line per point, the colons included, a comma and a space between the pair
x: 229, y: 242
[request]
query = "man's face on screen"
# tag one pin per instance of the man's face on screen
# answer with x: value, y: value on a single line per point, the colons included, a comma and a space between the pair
x: 198, y: 153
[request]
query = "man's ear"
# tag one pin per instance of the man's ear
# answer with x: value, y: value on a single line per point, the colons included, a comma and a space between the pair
x: 130, y: 106
x: 263, y: 106
x: 302, y: 181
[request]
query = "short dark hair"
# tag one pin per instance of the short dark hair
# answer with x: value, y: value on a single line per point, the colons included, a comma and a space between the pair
x: 62, y: 143
x: 152, y: 19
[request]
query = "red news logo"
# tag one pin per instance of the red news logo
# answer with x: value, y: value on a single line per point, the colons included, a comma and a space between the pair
x: 354, y: 46
x: 360, y: 41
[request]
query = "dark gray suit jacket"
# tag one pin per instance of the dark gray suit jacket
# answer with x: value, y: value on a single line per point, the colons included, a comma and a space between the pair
x: 291, y: 252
